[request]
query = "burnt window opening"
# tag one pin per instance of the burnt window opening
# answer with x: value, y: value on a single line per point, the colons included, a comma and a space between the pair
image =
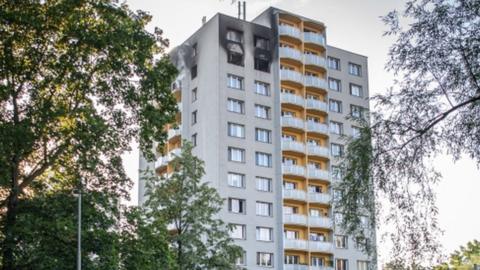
x: 235, y: 54
x: 262, y: 43
x: 234, y: 35
x: 193, y: 72
x: 262, y: 63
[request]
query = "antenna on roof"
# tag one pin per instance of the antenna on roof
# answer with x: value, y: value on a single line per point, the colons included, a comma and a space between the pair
x: 240, y: 7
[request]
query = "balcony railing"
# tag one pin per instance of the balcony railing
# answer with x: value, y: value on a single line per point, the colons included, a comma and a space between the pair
x: 315, y: 60
x: 295, y: 194
x: 314, y: 197
x: 315, y: 150
x: 319, y: 246
x: 317, y: 127
x: 289, y: 31
x: 292, y: 122
x: 292, y: 99
x: 321, y: 268
x: 318, y: 174
x: 295, y: 243
x: 315, y: 104
x: 164, y: 160
x: 293, y: 146
x: 291, y: 53
x: 320, y: 222
x: 174, y: 132
x: 293, y: 169
x: 295, y: 219
x: 295, y: 267
x: 310, y: 37
x: 291, y: 75
x: 176, y: 86
x: 313, y: 81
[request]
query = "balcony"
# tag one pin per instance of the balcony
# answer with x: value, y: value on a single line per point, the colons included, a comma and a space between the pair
x: 321, y: 268
x: 315, y: 82
x: 293, y: 122
x: 323, y: 198
x: 317, y: 127
x: 287, y: 30
x: 294, y: 194
x: 179, y: 106
x: 295, y: 219
x: 294, y: 54
x: 291, y: 75
x: 292, y: 99
x: 164, y: 160
x: 315, y: 150
x: 293, y: 146
x: 315, y: 104
x: 176, y: 86
x: 319, y: 246
x: 295, y: 267
x: 174, y: 132
x: 310, y: 37
x: 293, y: 170
x: 315, y: 60
x: 295, y: 243
x: 314, y: 173
x: 320, y: 222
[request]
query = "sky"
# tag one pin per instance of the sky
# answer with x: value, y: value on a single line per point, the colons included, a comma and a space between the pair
x: 355, y: 26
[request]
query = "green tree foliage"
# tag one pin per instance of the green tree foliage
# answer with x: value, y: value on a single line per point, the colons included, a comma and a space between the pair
x: 199, y: 239
x: 433, y: 107
x: 464, y: 259
x: 78, y: 81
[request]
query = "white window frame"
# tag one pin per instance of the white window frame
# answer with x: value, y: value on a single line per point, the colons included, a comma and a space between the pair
x: 261, y: 186
x: 236, y: 180
x: 235, y: 82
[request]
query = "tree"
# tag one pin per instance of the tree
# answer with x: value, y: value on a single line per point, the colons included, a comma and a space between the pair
x: 78, y: 81
x: 433, y: 107
x: 463, y: 259
x: 199, y: 239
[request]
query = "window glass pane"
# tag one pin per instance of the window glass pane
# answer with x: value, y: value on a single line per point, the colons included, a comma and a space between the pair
x: 236, y: 180
x: 263, y: 209
x: 262, y: 88
x: 234, y: 81
x: 238, y: 231
x: 264, y: 184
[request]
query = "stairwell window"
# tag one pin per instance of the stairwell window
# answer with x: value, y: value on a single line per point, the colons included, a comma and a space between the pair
x: 235, y: 82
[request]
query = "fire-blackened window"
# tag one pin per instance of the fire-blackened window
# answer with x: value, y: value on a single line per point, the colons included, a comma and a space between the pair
x: 262, y: 63
x: 234, y: 35
x: 262, y: 43
x: 235, y: 54
x: 193, y: 72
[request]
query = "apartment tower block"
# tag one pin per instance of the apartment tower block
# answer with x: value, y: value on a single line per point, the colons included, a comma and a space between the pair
x: 265, y: 105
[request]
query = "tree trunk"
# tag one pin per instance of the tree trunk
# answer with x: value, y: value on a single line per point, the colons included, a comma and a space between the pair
x: 10, y: 220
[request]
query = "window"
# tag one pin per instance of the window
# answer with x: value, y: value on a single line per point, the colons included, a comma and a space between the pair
x: 341, y: 264
x: 262, y: 111
x: 362, y: 265
x: 289, y: 234
x: 236, y: 106
x: 333, y: 63
x: 263, y: 209
x: 314, y: 189
x: 235, y: 82
x: 193, y: 72
x: 337, y: 150
x: 236, y: 180
x: 194, y: 50
x: 262, y: 43
x: 262, y: 88
x: 316, y: 236
x: 242, y: 260
x: 261, y: 63
x: 238, y: 231
x: 194, y: 94
x: 336, y: 128
x: 334, y: 84
x: 341, y: 241
x: 362, y: 243
x: 356, y: 90
x: 236, y: 130
x: 336, y: 173
x: 194, y: 139
x: 237, y: 206
x: 354, y: 69
x: 263, y: 135
x: 356, y: 111
x: 292, y: 259
x: 338, y: 218
x: 355, y: 132
x: 263, y: 184
x: 264, y: 234
x: 318, y: 261
x: 289, y: 185
x: 265, y: 259
x: 335, y: 106
x: 263, y: 159
x: 235, y: 53
x: 289, y: 210
x: 234, y: 35
x: 194, y: 117
x: 236, y: 154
